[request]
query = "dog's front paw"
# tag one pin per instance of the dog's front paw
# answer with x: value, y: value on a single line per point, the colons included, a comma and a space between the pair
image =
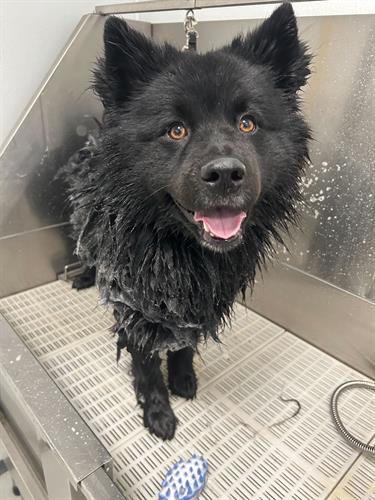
x: 159, y: 418
x: 183, y: 384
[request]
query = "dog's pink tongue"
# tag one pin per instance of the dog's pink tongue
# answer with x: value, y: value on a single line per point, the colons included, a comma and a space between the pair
x: 222, y: 222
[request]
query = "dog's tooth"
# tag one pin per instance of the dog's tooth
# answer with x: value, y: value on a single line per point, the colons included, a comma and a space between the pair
x: 205, y: 227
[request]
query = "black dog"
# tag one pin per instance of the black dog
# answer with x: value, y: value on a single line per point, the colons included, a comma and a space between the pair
x: 193, y: 176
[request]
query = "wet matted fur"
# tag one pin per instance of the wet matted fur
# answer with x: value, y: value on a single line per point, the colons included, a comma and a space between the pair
x: 149, y: 217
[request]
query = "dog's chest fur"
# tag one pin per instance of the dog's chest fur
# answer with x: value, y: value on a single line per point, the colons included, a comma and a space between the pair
x: 169, y: 293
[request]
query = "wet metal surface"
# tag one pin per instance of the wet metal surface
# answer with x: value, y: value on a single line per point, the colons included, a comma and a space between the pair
x: 34, y: 239
x: 61, y: 428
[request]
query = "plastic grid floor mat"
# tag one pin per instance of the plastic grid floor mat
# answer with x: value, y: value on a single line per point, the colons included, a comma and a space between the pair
x: 359, y: 482
x: 230, y: 422
x: 51, y: 317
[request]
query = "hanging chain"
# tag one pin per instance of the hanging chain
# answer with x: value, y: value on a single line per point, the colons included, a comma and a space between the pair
x: 191, y: 33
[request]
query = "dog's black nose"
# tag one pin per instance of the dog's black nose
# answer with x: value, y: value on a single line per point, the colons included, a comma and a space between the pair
x: 223, y: 173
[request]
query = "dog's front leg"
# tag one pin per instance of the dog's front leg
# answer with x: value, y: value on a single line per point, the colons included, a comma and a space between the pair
x: 152, y: 394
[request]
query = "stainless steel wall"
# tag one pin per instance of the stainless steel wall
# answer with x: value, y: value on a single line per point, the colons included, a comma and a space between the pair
x: 34, y: 230
x: 34, y: 242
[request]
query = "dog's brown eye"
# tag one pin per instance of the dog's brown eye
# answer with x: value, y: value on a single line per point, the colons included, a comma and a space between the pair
x: 247, y: 125
x: 177, y: 132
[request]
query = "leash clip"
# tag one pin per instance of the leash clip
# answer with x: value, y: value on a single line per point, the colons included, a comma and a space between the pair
x: 190, y: 31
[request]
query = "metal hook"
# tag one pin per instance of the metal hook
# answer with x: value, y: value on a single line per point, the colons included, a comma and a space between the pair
x: 190, y: 31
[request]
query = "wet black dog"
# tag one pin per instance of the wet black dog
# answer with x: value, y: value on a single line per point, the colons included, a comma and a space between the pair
x: 193, y: 176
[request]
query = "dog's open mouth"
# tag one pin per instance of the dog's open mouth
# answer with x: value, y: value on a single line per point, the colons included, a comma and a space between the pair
x: 221, y: 223
x: 219, y: 226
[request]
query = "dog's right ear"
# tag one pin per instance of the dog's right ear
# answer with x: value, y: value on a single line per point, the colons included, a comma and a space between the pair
x: 130, y: 61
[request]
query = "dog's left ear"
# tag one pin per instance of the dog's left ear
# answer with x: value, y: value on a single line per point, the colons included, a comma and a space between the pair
x: 275, y: 43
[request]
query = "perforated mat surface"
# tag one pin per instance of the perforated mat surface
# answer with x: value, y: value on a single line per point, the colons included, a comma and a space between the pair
x: 232, y: 420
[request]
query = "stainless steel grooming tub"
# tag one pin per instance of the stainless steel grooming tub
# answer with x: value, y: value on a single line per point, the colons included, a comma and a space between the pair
x: 68, y: 417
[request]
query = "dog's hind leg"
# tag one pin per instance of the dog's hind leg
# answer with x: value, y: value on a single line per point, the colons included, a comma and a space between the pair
x: 85, y: 279
x: 181, y: 376
x: 152, y: 394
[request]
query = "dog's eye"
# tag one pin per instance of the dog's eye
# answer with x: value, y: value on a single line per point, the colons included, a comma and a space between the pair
x: 247, y: 125
x: 177, y: 131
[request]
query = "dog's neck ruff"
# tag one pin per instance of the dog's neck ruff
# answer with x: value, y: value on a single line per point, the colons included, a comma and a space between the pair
x: 165, y: 295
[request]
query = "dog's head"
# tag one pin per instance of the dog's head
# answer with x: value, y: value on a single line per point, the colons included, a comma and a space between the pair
x: 214, y: 143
